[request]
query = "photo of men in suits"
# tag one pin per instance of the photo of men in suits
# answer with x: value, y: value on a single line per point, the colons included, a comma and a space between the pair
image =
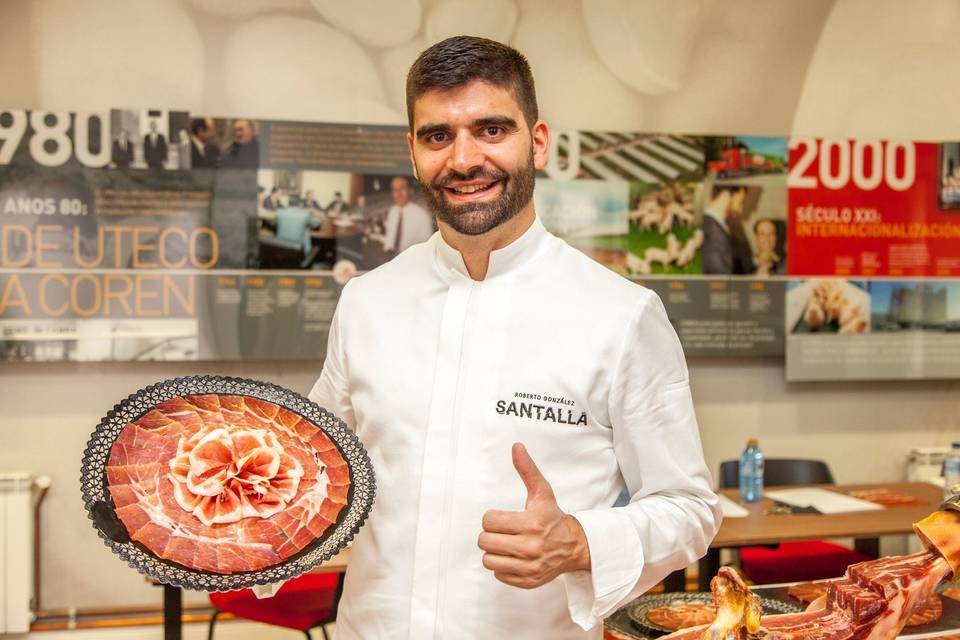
x: 244, y: 151
x: 154, y: 147
x: 726, y: 249
x: 205, y: 152
x: 122, y: 154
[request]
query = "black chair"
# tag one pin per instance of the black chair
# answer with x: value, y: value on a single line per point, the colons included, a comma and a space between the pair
x: 779, y: 472
x: 275, y: 253
x: 791, y: 561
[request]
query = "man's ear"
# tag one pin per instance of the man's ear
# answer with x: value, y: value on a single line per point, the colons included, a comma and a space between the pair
x: 413, y: 162
x: 540, y: 137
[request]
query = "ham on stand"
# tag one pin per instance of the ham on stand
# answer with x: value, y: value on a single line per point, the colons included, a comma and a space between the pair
x: 872, y: 602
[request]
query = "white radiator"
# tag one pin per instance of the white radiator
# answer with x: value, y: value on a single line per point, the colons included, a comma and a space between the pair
x: 16, y: 552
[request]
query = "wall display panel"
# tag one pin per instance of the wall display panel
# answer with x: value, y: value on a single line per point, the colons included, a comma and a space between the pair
x: 874, y: 208
x: 132, y: 234
x: 724, y: 316
x: 129, y: 315
x: 875, y: 232
x: 151, y: 235
x: 699, y: 219
x: 872, y: 329
x: 694, y: 204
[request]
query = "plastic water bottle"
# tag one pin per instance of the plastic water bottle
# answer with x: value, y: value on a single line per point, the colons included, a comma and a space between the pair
x: 751, y: 472
x: 951, y: 471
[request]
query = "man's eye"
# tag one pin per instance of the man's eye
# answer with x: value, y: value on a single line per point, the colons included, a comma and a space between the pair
x: 493, y: 131
x: 436, y: 138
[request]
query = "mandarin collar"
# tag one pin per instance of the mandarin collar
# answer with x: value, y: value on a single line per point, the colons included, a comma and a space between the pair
x: 530, y: 244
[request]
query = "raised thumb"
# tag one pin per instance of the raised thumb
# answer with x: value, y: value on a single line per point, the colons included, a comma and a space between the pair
x: 538, y: 488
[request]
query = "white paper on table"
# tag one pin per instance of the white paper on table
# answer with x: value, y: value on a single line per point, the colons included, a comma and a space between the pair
x: 731, y: 509
x: 822, y: 500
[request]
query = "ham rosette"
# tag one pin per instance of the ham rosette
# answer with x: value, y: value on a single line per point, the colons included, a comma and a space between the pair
x: 225, y: 483
x: 222, y: 477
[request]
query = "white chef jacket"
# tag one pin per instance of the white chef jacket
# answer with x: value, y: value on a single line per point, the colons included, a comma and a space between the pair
x: 439, y: 375
x: 413, y: 222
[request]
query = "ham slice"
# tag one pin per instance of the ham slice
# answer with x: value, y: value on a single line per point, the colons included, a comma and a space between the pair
x: 807, y: 592
x: 930, y: 611
x: 226, y: 483
x: 682, y: 615
x: 873, y: 601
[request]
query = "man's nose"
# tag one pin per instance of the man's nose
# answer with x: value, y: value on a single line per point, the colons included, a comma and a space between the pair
x: 466, y: 154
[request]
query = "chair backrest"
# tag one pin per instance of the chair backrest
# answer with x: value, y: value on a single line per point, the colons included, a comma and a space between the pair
x: 779, y: 472
x: 292, y: 225
x: 275, y: 253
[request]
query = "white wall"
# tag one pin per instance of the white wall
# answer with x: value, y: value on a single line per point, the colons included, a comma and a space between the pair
x: 850, y: 67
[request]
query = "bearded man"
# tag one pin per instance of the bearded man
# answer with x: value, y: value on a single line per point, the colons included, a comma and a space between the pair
x: 507, y: 389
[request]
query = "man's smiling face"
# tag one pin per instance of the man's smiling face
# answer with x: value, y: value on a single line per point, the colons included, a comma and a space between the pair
x: 475, y: 155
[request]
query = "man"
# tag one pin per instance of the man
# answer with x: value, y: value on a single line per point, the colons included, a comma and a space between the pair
x: 725, y: 246
x: 507, y: 388
x: 337, y: 205
x: 768, y: 258
x: 204, y: 150
x: 293, y: 226
x: 122, y: 154
x: 407, y: 222
x: 309, y: 201
x: 244, y: 151
x: 274, y: 201
x: 154, y: 147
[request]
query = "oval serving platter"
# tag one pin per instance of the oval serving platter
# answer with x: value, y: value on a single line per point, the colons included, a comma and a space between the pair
x: 637, y: 611
x: 216, y: 483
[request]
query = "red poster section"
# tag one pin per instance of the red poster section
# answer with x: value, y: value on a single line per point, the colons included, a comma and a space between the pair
x: 869, y: 208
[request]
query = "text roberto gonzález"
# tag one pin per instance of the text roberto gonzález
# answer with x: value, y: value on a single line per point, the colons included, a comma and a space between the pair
x: 535, y: 411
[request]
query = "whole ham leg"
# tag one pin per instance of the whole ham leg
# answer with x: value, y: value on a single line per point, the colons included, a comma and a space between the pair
x: 872, y: 602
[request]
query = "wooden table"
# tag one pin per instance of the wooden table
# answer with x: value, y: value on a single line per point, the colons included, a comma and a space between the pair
x: 173, y: 596
x: 763, y: 527
x: 330, y: 231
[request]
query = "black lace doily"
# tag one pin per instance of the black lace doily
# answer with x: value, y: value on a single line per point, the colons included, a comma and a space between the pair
x: 100, y: 507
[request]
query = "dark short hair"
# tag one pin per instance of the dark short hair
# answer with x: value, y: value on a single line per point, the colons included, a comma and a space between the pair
x: 197, y: 125
x: 456, y: 61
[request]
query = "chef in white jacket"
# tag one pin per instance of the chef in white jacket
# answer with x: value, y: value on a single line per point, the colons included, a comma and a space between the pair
x: 507, y: 389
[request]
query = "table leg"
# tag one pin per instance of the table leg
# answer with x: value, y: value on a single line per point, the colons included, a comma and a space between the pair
x: 708, y: 567
x: 868, y: 546
x: 676, y: 581
x: 172, y: 612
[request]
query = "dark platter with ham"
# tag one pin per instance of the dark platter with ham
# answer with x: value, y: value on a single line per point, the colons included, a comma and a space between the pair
x: 215, y: 483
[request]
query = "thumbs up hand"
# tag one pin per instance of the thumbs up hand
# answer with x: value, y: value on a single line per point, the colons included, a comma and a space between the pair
x: 530, y: 548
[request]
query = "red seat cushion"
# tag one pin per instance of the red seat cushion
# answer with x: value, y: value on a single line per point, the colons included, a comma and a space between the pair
x: 798, y: 561
x: 301, y: 603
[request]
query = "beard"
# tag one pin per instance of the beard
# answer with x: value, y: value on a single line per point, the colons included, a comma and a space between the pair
x: 477, y: 218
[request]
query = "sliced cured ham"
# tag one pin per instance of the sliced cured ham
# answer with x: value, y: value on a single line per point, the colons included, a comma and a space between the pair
x: 682, y: 615
x: 807, y: 592
x: 929, y: 611
x: 226, y: 483
x: 873, y: 601
x: 886, y: 497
